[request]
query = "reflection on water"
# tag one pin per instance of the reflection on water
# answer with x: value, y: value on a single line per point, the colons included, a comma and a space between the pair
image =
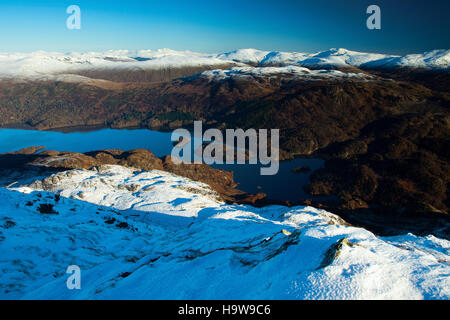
x: 286, y: 185
x: 158, y: 142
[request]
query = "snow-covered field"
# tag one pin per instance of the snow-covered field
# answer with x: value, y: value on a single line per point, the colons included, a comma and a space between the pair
x: 153, y: 235
x: 42, y: 65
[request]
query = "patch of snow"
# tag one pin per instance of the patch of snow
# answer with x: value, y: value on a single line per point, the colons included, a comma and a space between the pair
x: 284, y: 72
x: 125, y: 188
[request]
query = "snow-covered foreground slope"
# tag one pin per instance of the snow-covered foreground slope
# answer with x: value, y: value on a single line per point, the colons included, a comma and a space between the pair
x: 154, y: 235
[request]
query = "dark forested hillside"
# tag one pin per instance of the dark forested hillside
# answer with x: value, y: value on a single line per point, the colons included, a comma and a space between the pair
x: 386, y: 141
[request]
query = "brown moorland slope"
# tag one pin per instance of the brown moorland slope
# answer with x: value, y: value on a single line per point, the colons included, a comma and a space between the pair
x: 386, y: 141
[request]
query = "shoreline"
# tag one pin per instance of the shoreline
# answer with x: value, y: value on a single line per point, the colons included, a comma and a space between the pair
x: 69, y: 129
x: 98, y: 127
x: 28, y: 165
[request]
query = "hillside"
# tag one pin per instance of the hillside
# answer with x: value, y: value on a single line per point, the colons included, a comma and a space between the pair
x: 381, y: 121
x: 133, y: 239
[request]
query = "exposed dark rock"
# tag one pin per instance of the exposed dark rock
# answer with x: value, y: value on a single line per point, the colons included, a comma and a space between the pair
x: 334, y: 252
x: 122, y: 225
x: 47, y: 208
x: 125, y: 274
x: 110, y: 221
x: 9, y: 224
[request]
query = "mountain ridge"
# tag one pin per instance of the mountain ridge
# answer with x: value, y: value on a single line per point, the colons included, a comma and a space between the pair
x: 46, y: 63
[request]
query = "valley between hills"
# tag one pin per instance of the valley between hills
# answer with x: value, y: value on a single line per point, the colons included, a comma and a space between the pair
x: 383, y: 128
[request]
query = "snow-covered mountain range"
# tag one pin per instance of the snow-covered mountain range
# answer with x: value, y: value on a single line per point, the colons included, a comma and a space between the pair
x: 41, y: 63
x: 154, y: 235
x: 339, y: 58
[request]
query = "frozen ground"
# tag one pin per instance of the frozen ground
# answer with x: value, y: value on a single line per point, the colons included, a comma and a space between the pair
x: 153, y: 235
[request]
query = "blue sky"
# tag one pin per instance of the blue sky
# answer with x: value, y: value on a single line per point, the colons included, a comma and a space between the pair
x: 216, y: 26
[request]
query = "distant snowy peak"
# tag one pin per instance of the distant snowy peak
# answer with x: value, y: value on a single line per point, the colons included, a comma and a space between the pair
x: 341, y: 58
x: 277, y: 58
x: 249, y: 56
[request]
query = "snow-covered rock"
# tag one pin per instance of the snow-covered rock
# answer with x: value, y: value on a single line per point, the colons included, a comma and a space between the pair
x: 154, y: 235
x: 124, y: 188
